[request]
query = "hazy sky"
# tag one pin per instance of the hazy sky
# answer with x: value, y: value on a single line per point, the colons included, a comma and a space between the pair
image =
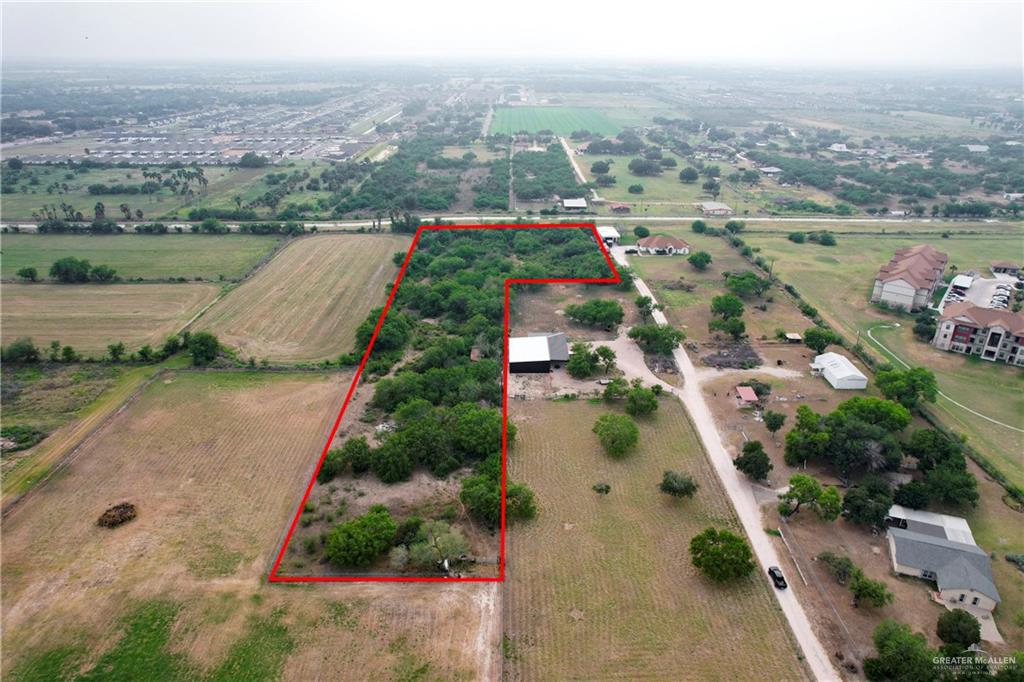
x: 816, y: 33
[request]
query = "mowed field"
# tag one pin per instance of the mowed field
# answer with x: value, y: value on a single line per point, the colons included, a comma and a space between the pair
x: 996, y: 390
x: 89, y: 317
x: 559, y: 120
x: 215, y: 462
x: 146, y: 256
x: 601, y: 587
x: 306, y: 303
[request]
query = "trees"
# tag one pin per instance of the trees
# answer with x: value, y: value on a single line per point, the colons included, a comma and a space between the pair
x: 808, y: 439
x: 617, y: 434
x: 746, y: 284
x: 803, y: 489
x: 355, y: 454
x: 70, y: 270
x: 913, y: 495
x: 951, y: 483
x: 203, y: 347
x: 931, y: 448
x: 657, y: 338
x: 640, y: 231
x: 727, y: 306
x: 21, y: 350
x: 640, y: 401
x: 103, y: 274
x: 606, y: 357
x: 678, y: 484
x: 902, y: 655
x: 797, y: 237
x: 959, y: 629
x: 582, y: 361
x: 644, y: 167
x: 874, y: 593
x: 253, y: 160
x: 116, y: 351
x: 735, y: 226
x: 519, y: 502
x: 635, y: 189
x: 600, y: 167
x: 700, y: 260
x: 773, y: 421
x: 818, y: 339
x: 754, y: 461
x: 908, y: 387
x: 597, y: 313
x: 29, y: 274
x: 699, y: 226
x: 732, y: 326
x: 646, y: 306
x: 721, y: 555
x: 616, y: 389
x: 360, y: 541
x: 436, y: 542
x: 869, y: 502
x: 829, y: 504
x: 689, y: 175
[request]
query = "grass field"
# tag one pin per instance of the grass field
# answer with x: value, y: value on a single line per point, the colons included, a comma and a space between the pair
x: 89, y: 317
x: 306, y: 303
x: 602, y: 587
x: 989, y: 388
x: 215, y: 463
x: 560, y: 120
x: 147, y: 256
x: 20, y: 205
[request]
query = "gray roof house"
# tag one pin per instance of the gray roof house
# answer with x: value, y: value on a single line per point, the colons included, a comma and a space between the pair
x: 941, y: 548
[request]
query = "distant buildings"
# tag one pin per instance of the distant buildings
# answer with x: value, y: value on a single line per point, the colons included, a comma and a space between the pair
x: 770, y: 170
x: 941, y: 549
x: 574, y: 204
x: 620, y: 208
x: 991, y: 333
x: 1004, y: 267
x: 839, y: 371
x: 662, y: 246
x: 537, y: 353
x: 838, y: 147
x: 715, y: 208
x: 976, y: 148
x: 608, y: 234
x: 909, y: 279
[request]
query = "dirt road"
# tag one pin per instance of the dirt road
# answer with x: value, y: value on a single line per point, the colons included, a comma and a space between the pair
x: 742, y: 496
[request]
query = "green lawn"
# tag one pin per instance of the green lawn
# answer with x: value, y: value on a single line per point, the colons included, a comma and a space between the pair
x: 146, y: 256
x: 560, y: 120
x: 837, y: 280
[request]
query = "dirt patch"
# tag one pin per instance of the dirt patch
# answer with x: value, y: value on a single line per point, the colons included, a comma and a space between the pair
x: 732, y: 356
x: 544, y: 310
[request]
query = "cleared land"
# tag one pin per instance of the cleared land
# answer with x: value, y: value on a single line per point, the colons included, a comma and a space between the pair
x: 215, y: 463
x: 599, y: 585
x: 306, y: 303
x: 559, y: 120
x: 992, y: 389
x: 91, y: 316
x: 147, y: 256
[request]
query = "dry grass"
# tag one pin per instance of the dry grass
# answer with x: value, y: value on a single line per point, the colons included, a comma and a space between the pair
x: 306, y: 303
x: 602, y: 587
x: 91, y: 316
x: 215, y: 463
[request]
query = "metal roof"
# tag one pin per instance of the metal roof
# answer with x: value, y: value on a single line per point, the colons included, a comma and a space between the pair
x: 952, y: 528
x: 528, y: 349
x: 574, y: 203
x: 608, y: 232
x: 836, y: 366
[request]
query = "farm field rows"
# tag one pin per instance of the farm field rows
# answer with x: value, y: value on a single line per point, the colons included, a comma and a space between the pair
x: 559, y: 120
x: 147, y: 256
x: 215, y: 462
x: 989, y: 388
x: 91, y: 316
x: 307, y: 302
x: 598, y: 585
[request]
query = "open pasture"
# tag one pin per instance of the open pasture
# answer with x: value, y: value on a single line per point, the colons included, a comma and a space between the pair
x: 215, y: 463
x: 559, y: 120
x: 990, y: 388
x: 89, y: 317
x: 601, y: 584
x: 306, y: 303
x: 147, y: 256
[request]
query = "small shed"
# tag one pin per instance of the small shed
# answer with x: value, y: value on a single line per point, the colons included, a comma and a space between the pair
x: 793, y: 337
x: 746, y: 396
x: 620, y: 208
x: 839, y: 372
x: 574, y: 204
x: 608, y: 234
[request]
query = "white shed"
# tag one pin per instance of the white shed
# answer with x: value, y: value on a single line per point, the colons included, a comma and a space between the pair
x: 839, y: 371
x: 609, y: 235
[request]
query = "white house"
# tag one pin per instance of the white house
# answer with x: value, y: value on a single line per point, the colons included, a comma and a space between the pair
x: 574, y: 204
x: 661, y: 245
x: 838, y: 147
x: 838, y: 371
x: 910, y: 277
x: 608, y: 234
x: 941, y: 548
x: 715, y: 208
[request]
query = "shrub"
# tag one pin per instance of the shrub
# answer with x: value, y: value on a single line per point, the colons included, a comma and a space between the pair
x: 117, y: 515
x: 959, y: 628
x: 678, y: 484
x: 797, y: 237
x: 839, y: 567
x: 360, y: 541
x: 721, y: 555
x: 20, y: 350
x: 616, y: 433
x: 640, y: 231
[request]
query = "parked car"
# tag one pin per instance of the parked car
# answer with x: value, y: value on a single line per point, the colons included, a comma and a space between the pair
x: 775, y: 573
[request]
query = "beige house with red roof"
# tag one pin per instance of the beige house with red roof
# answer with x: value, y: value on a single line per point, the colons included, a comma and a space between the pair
x: 996, y: 335
x: 661, y: 245
x: 909, y: 279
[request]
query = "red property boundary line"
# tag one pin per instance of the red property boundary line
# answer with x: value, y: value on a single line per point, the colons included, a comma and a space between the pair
x: 274, y: 576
